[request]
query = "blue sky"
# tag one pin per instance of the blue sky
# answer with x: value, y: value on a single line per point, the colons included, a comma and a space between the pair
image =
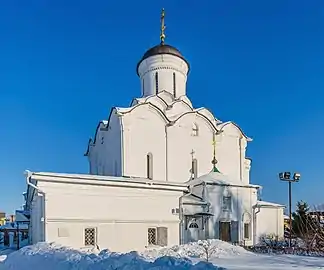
x: 64, y: 64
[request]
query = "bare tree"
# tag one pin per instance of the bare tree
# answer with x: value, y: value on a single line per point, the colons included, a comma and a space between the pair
x: 310, y: 230
x: 208, y: 248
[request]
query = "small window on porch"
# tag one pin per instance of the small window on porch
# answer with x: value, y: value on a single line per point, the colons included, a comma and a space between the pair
x: 227, y: 203
x: 247, y: 231
x: 193, y: 225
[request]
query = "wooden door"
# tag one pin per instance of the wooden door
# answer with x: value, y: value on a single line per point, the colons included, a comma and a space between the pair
x: 225, y: 231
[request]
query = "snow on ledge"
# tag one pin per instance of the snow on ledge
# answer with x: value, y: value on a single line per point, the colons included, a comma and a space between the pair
x: 269, y: 204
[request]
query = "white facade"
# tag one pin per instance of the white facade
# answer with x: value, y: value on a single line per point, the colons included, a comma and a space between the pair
x: 121, y: 213
x: 150, y: 173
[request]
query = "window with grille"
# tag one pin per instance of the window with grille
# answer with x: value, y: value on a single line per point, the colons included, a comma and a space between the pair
x: 156, y: 83
x: 246, y: 230
x: 157, y: 236
x: 89, y: 236
x: 151, y: 236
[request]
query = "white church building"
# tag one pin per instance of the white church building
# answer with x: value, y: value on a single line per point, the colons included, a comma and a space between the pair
x: 162, y: 172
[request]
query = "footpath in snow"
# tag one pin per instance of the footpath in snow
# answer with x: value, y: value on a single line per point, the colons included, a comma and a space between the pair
x: 191, y: 256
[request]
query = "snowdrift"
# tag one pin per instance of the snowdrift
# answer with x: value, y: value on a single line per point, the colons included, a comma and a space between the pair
x: 56, y: 257
x: 215, y: 248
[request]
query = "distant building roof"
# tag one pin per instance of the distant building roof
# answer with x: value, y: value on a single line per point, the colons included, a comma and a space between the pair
x: 317, y: 208
x: 13, y: 225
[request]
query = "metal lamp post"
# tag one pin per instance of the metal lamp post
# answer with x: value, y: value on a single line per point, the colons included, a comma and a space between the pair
x: 286, y: 176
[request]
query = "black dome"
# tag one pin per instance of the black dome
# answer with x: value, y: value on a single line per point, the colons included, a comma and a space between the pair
x: 162, y: 49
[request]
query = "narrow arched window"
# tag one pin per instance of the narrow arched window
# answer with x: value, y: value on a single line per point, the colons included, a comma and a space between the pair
x: 195, y: 129
x: 174, y: 85
x: 143, y: 87
x: 156, y: 83
x: 194, y: 168
x: 149, y: 166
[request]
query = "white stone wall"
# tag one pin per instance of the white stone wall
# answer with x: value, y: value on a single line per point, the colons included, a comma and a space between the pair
x: 146, y: 131
x: 121, y: 215
x: 270, y: 221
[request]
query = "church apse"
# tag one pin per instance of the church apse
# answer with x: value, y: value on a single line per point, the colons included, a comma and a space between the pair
x: 104, y: 152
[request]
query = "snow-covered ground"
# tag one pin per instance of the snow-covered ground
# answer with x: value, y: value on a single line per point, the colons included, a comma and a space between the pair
x: 191, y: 256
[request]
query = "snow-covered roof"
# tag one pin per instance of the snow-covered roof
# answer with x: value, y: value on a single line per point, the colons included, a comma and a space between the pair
x: 192, y: 199
x: 105, y: 180
x: 269, y: 204
x: 22, y: 216
x: 286, y: 217
x: 217, y: 178
x: 164, y: 103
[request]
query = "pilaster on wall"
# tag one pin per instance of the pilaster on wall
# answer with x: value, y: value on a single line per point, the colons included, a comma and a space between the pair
x: 247, y: 168
x: 242, y: 150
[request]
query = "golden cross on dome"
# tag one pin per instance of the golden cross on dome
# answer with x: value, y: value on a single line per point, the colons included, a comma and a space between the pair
x: 162, y: 34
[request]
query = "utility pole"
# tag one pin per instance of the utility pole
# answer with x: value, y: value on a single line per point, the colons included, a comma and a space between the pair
x: 286, y: 176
